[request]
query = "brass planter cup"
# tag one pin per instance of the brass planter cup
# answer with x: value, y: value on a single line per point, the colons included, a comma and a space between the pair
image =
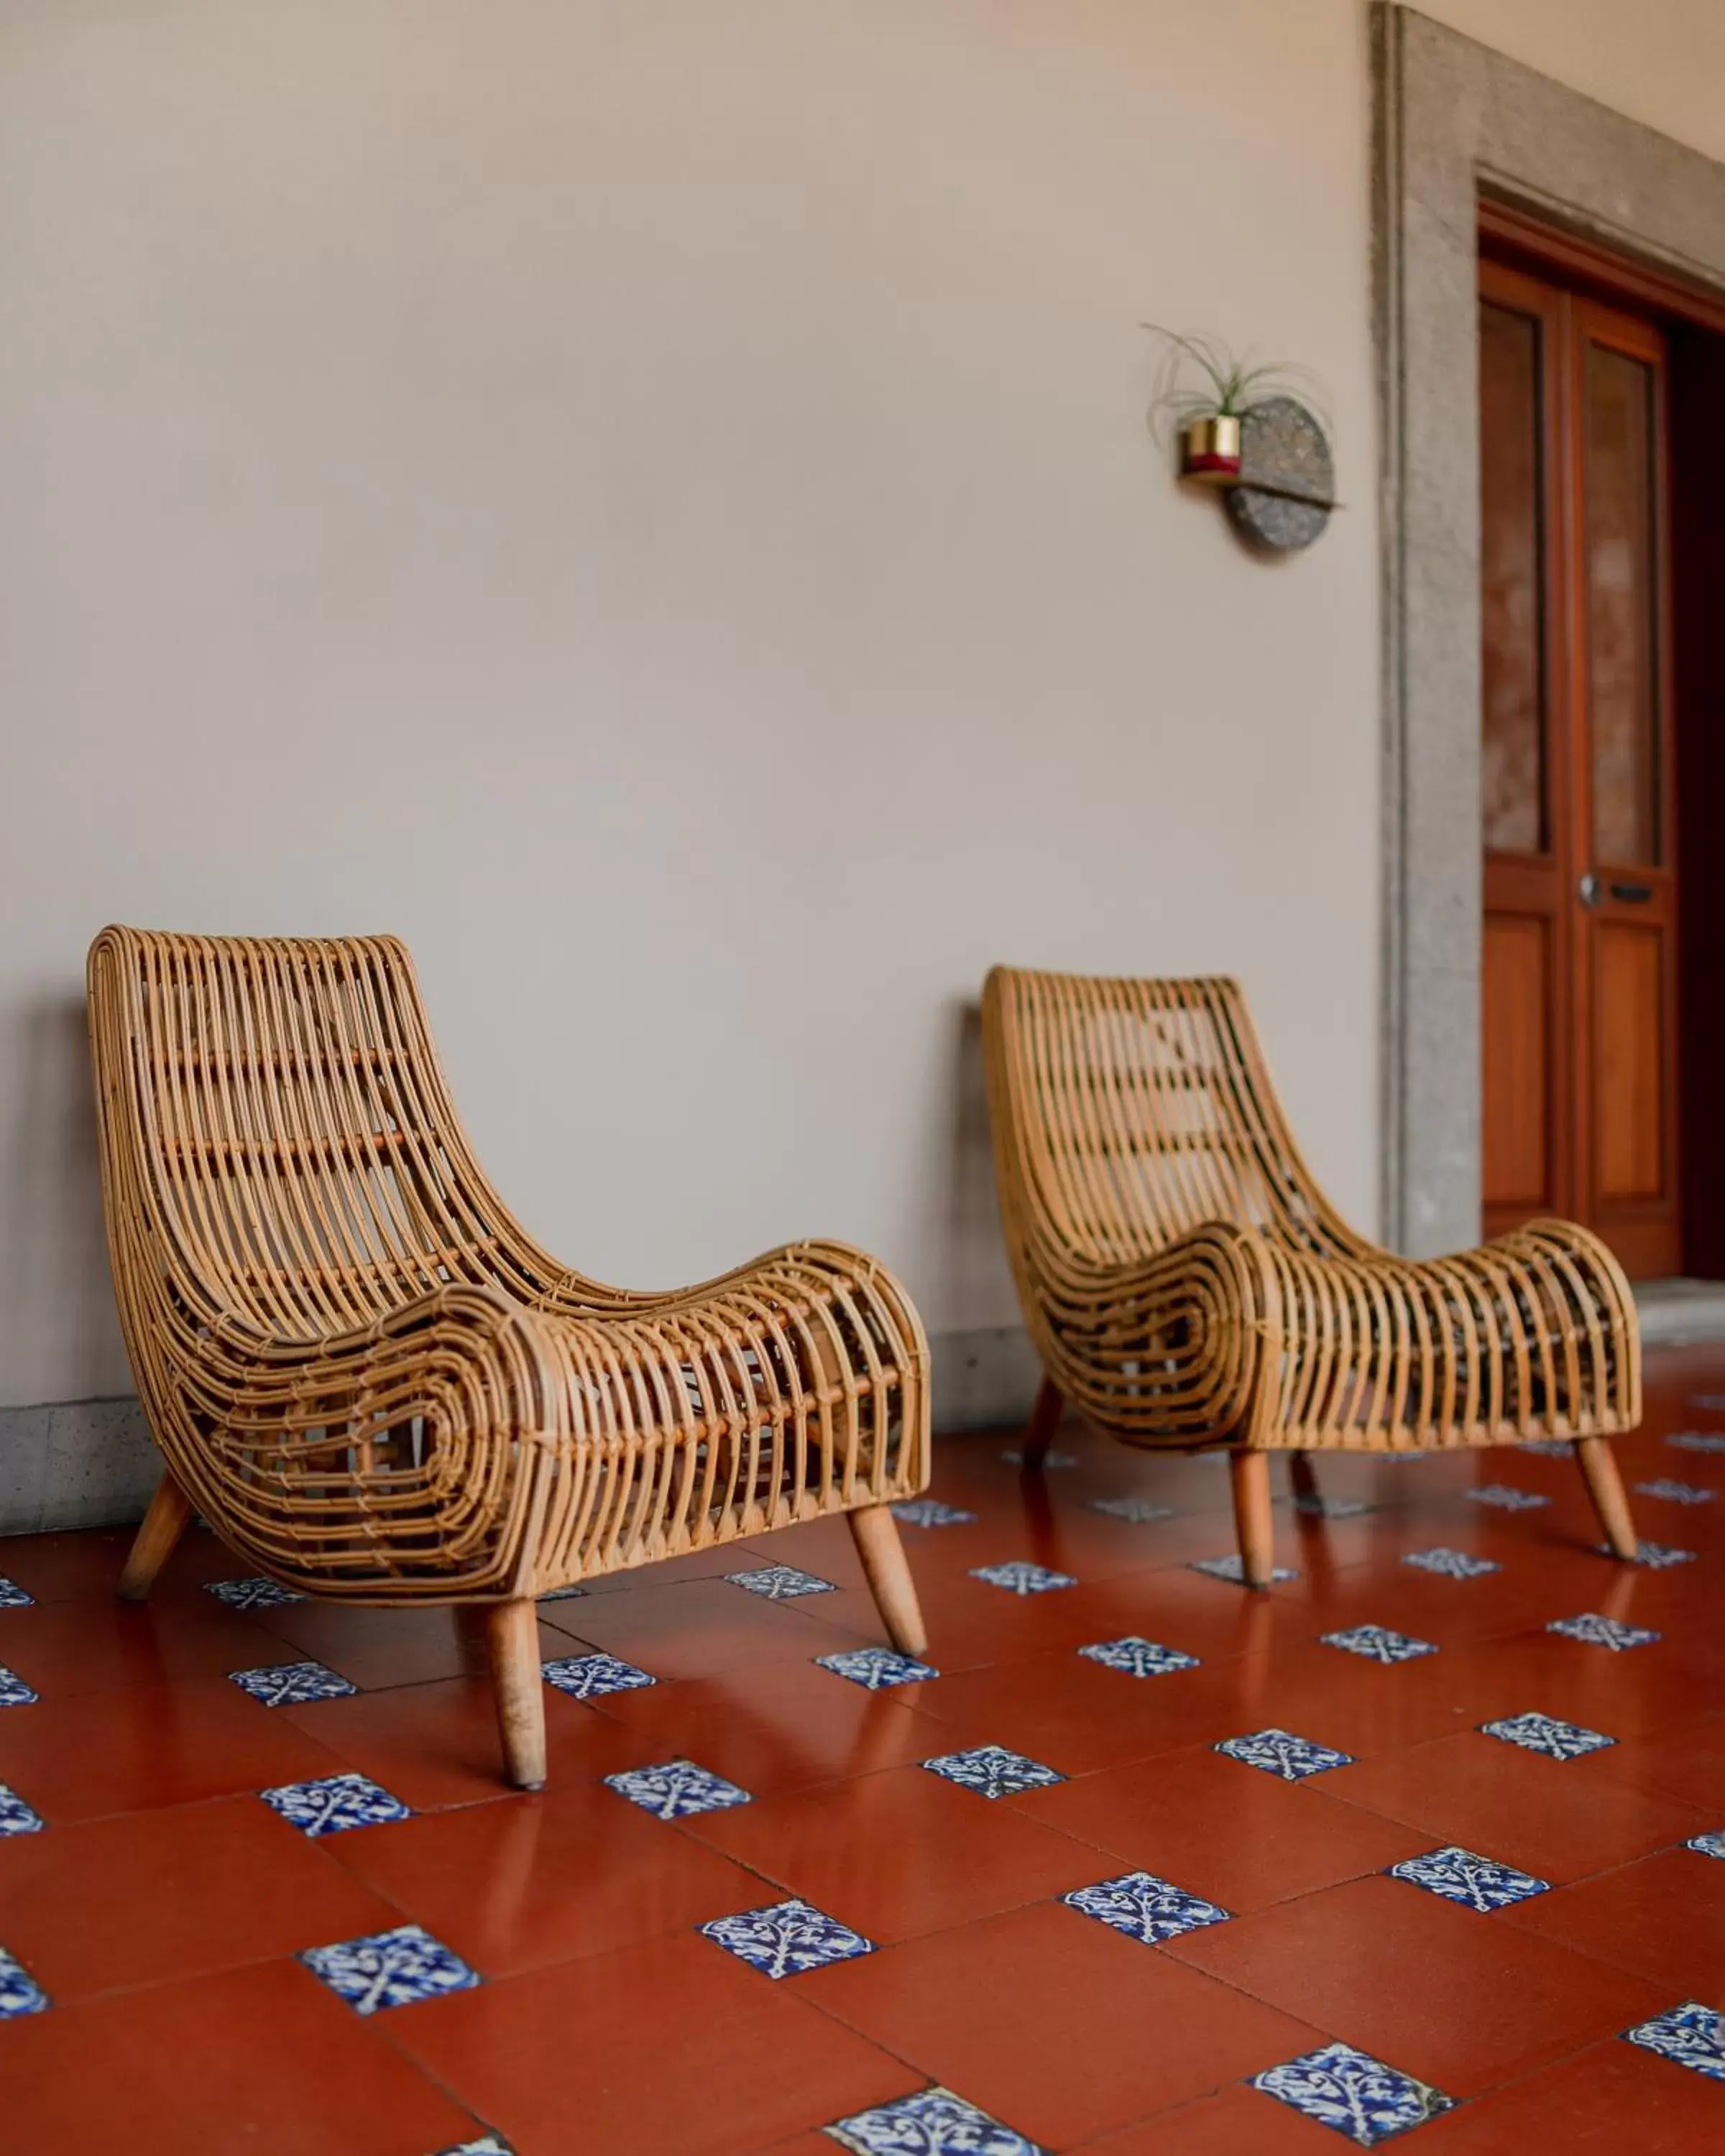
x: 1209, y: 449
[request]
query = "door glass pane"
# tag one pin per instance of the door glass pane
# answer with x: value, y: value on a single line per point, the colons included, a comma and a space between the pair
x: 1622, y: 646
x: 1511, y: 585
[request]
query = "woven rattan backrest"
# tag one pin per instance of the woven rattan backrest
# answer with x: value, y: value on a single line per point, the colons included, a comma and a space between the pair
x: 1126, y: 1112
x: 273, y: 1112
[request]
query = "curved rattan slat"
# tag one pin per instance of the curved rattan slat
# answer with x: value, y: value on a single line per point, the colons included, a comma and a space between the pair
x: 364, y: 1372
x: 1187, y: 1283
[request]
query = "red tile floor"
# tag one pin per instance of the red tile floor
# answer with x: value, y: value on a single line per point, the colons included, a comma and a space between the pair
x: 163, y: 1991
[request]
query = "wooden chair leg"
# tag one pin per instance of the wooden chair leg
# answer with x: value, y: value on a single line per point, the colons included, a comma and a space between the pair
x: 876, y: 1533
x: 1302, y: 1478
x: 1044, y: 1421
x: 1249, y: 1470
x: 512, y: 1632
x: 153, y: 1544
x: 1604, y: 1486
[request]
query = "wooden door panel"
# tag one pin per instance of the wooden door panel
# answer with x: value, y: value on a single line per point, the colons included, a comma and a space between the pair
x: 1517, y: 1123
x: 1525, y: 804
x: 1513, y: 791
x: 1619, y: 574
x: 1629, y: 1080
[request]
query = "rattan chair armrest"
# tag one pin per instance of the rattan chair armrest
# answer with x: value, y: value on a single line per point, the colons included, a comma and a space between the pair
x: 811, y: 1351
x: 1569, y: 1239
x: 816, y: 1264
x: 437, y: 1422
x: 1204, y: 1314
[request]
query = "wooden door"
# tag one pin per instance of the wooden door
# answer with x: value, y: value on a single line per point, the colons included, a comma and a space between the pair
x: 1578, y: 964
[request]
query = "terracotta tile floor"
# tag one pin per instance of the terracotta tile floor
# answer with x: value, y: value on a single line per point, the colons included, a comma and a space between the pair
x: 1116, y: 1937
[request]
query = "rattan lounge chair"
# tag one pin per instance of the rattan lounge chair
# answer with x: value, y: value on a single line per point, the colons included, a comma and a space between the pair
x: 375, y: 1386
x: 1187, y: 1284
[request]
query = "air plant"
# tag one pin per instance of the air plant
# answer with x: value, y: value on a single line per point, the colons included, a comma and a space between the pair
x: 1198, y: 377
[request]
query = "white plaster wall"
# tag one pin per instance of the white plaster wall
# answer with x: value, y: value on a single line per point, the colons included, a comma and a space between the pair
x: 651, y: 501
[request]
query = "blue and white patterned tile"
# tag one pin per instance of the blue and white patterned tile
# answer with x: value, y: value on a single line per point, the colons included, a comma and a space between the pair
x: 1691, y: 2036
x: 570, y: 1594
x: 1376, y: 1643
x: 591, y: 1676
x: 677, y: 1790
x: 931, y: 1512
x: 1476, y: 1882
x: 1021, y: 1577
x: 1545, y: 1733
x: 780, y: 1583
x: 1279, y: 1752
x: 1698, y: 1440
x: 992, y: 1771
x: 1505, y: 1498
x: 19, y: 1991
x: 1451, y: 1564
x: 12, y: 1596
x: 1317, y: 1507
x: 291, y: 1684
x: 876, y: 1669
x: 1656, y: 1557
x: 1598, y: 1631
x: 389, y: 1968
x: 1138, y: 1509
x: 13, y: 1690
x: 1549, y: 1448
x: 16, y: 1816
x: 1015, y: 1457
x: 1672, y: 1492
x: 1707, y: 1845
x: 787, y: 1938
x: 335, y: 1803
x: 257, y: 1592
x: 1145, y: 1907
x: 1138, y: 1658
x: 1357, y: 2095
x: 1233, y: 1570
x: 931, y: 2122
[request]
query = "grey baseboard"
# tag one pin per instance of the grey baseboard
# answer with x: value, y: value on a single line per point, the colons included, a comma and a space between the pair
x: 77, y: 1464
x: 1680, y: 1313
x: 92, y: 1463
x: 984, y: 1380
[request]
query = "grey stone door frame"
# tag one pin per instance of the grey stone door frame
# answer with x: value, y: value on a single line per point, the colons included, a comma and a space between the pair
x: 1454, y: 119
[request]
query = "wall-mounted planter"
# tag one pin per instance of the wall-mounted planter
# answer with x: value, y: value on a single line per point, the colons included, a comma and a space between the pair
x: 1243, y: 432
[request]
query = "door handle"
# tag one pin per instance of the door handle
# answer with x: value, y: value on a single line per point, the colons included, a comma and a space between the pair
x: 1593, y: 888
